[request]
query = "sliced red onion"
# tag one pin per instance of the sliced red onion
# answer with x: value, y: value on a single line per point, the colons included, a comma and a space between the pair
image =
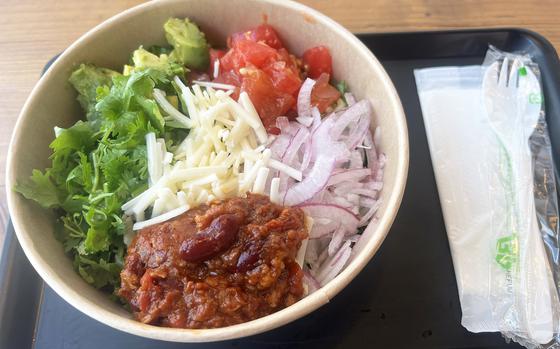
x: 336, y: 240
x: 378, y: 174
x: 316, y: 267
x: 369, y: 214
x: 316, y: 119
x: 353, y: 238
x: 279, y: 145
x: 336, y: 189
x: 304, y: 98
x: 323, y: 230
x: 353, y: 175
x: 354, y: 199
x: 295, y: 144
x: 350, y: 116
x: 312, y: 284
x: 373, y: 185
x: 305, y: 120
x: 332, y: 266
x: 312, y: 183
x: 313, y: 251
x: 319, y: 197
x: 368, y: 202
x: 356, y: 159
x: 343, y: 202
x: 339, y: 151
x: 359, y: 132
x: 285, y: 183
x: 328, y: 198
x: 365, y: 192
x: 343, y: 215
x: 371, y: 154
x: 306, y: 154
x: 343, y: 188
x: 320, y: 139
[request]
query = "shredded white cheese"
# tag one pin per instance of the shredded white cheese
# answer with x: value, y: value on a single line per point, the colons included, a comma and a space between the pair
x: 159, y: 96
x: 161, y: 218
x: 214, y: 85
x: 216, y: 71
x: 275, y: 190
x: 224, y: 155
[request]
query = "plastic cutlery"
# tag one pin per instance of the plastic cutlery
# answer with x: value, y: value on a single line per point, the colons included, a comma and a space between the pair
x: 513, y: 101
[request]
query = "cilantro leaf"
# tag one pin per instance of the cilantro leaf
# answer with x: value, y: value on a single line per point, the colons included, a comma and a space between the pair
x: 41, y: 189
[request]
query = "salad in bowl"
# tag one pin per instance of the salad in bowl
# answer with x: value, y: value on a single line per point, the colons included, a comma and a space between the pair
x: 225, y: 180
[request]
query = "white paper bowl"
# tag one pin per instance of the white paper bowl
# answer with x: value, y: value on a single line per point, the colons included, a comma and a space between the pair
x: 52, y: 103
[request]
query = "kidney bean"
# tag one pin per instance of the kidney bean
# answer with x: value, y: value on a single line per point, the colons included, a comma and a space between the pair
x: 249, y: 257
x: 216, y: 238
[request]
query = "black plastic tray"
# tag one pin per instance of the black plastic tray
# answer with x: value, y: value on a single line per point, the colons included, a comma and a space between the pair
x: 406, y: 297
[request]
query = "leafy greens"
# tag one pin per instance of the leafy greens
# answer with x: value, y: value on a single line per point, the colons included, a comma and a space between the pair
x: 100, y: 163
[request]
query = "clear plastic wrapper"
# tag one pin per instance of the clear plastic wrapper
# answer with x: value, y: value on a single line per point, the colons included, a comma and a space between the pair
x: 544, y: 305
x: 504, y: 246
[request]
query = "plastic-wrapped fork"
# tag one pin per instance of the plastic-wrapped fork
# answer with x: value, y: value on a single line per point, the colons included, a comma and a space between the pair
x: 513, y: 112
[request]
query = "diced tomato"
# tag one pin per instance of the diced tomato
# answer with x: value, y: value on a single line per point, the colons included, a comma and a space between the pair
x: 263, y: 33
x: 291, y: 60
x: 256, y: 53
x: 232, y: 60
x: 214, y: 56
x: 230, y: 78
x: 235, y: 37
x: 268, y: 101
x: 283, y: 78
x: 246, y: 52
x: 257, y: 63
x: 318, y: 61
x: 268, y: 35
x: 324, y: 94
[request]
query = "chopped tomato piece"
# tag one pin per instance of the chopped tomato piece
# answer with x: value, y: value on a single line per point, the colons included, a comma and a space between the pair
x: 318, y: 61
x: 258, y: 63
x: 230, y: 78
x: 283, y: 78
x: 324, y: 94
x: 246, y: 52
x: 256, y: 53
x: 291, y: 60
x: 215, y: 55
x: 264, y: 33
x: 235, y: 37
x: 268, y: 35
x: 269, y: 102
x: 232, y: 60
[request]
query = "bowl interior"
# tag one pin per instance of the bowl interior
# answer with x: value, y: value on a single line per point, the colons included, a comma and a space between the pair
x: 52, y: 103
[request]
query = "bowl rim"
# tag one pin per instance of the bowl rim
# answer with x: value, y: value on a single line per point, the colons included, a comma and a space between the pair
x: 284, y: 316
